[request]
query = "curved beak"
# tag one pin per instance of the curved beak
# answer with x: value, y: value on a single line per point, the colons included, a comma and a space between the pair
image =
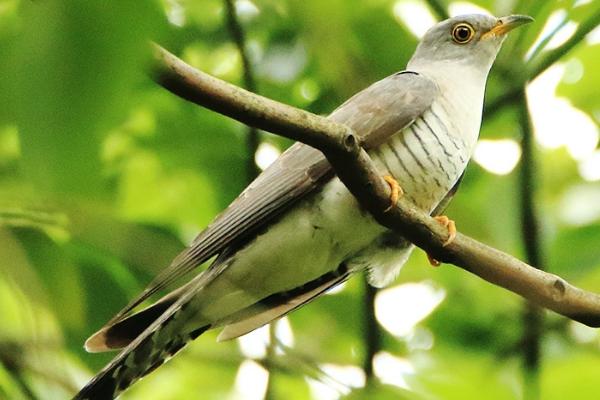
x: 507, y: 24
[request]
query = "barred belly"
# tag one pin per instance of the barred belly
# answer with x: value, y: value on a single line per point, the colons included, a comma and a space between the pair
x: 427, y: 158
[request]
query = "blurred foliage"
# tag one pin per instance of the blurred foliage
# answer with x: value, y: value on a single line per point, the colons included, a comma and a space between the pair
x: 104, y: 177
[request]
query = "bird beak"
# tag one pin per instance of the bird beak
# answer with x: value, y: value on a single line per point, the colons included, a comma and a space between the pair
x: 506, y: 24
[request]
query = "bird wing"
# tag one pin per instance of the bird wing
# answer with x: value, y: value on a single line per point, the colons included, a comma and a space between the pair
x: 374, y: 114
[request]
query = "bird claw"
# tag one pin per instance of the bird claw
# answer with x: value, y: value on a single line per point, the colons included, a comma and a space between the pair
x: 433, y: 261
x: 451, y: 225
x: 397, y: 191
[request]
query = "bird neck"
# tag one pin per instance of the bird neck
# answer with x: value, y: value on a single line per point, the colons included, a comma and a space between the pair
x: 452, y: 76
x: 462, y: 89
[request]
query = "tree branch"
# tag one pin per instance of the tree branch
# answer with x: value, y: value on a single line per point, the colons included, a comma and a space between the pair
x: 355, y: 168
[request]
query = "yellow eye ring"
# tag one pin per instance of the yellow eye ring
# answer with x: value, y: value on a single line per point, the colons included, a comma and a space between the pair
x: 462, y: 33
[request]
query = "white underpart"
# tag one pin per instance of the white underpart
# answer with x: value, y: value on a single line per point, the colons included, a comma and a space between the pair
x: 384, y: 263
x: 308, y: 242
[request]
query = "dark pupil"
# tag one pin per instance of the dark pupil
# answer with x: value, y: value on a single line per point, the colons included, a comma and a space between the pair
x: 462, y: 33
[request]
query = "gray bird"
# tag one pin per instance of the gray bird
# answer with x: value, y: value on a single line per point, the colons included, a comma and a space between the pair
x: 296, y: 231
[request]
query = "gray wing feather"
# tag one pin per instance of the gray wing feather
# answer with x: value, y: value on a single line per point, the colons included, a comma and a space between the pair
x: 375, y: 114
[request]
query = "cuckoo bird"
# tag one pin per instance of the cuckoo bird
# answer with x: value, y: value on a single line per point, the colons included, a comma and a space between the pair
x: 296, y: 231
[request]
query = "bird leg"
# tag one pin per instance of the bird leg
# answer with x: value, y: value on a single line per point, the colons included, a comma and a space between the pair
x: 451, y: 225
x: 397, y: 191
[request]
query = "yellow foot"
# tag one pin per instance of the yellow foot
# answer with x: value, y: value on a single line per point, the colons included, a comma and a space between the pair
x: 451, y: 225
x: 397, y: 191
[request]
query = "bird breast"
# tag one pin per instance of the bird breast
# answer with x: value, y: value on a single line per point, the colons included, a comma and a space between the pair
x: 429, y: 156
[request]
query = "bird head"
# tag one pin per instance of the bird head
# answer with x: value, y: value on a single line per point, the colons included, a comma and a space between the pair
x: 472, y: 39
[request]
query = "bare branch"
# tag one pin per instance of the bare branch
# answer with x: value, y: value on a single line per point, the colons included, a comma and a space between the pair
x: 355, y: 168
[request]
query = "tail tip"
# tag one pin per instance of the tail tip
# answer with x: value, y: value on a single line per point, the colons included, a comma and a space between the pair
x: 97, y: 342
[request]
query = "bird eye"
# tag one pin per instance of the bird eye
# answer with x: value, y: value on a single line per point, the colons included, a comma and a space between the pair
x: 463, y: 33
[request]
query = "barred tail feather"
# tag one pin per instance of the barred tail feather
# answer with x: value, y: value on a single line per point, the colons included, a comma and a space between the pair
x: 169, y: 329
x: 164, y: 337
x: 159, y: 342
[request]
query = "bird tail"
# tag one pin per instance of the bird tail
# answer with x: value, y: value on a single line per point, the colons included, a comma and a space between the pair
x: 155, y: 345
x: 166, y: 327
x: 137, y: 360
x: 151, y: 336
